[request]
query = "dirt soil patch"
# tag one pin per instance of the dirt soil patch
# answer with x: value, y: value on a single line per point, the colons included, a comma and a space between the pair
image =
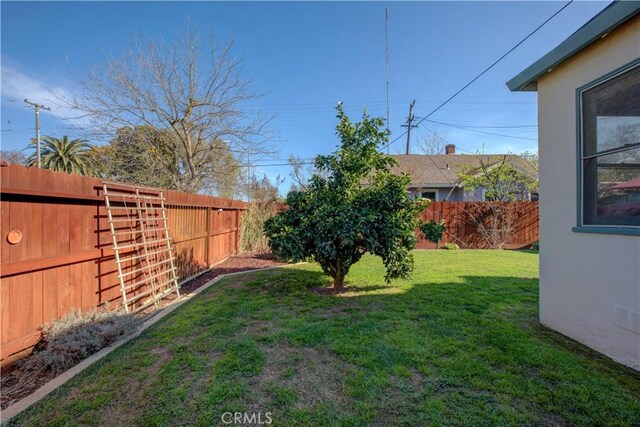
x: 234, y: 264
x: 324, y: 290
x: 16, y: 384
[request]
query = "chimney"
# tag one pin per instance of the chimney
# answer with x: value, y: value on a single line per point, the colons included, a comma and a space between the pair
x: 450, y: 149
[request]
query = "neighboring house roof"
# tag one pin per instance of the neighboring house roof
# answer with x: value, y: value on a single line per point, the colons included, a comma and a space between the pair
x: 443, y: 170
x: 611, y: 17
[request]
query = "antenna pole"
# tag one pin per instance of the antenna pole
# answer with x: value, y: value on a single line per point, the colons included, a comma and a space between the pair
x: 386, y: 42
x: 37, y: 108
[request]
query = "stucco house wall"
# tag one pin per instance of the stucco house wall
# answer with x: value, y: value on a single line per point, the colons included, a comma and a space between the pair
x: 589, y: 283
x: 457, y: 195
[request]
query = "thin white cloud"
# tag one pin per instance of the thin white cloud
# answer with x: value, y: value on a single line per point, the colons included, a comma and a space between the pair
x: 18, y: 85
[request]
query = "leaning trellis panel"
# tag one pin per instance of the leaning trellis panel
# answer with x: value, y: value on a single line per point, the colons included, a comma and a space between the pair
x: 144, y: 255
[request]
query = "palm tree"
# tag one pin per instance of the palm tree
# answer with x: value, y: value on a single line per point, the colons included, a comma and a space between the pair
x: 65, y: 155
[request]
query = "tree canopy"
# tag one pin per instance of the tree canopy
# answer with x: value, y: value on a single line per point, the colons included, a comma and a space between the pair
x: 191, y: 89
x: 131, y: 156
x: 150, y: 156
x: 352, y: 205
x: 65, y: 155
x: 503, y: 181
x: 13, y: 157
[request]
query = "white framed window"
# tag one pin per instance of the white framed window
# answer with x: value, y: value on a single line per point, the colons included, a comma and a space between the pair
x: 609, y: 150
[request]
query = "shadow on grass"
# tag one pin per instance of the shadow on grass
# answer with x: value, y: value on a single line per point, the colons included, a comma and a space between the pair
x: 505, y: 298
x: 469, y: 344
x: 592, y: 359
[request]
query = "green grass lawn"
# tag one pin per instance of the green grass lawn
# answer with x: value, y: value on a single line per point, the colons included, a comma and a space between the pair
x: 458, y: 344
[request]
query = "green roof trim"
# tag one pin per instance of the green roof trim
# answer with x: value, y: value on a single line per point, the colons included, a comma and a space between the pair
x: 614, y: 15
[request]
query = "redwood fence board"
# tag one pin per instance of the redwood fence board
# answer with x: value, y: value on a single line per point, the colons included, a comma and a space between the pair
x: 65, y: 259
x: 461, y: 231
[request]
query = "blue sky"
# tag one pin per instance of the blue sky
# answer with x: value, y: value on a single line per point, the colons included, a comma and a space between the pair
x: 306, y: 56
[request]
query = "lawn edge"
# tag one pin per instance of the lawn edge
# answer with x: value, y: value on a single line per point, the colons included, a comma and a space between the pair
x: 7, y: 414
x: 196, y: 275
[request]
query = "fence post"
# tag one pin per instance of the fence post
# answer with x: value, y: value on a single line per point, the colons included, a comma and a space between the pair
x: 207, y: 252
x: 237, y: 246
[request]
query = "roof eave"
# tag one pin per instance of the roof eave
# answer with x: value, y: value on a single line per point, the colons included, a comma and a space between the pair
x: 433, y: 185
x: 607, y: 20
x: 531, y: 86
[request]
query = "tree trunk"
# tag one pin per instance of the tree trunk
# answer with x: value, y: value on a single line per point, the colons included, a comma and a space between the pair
x: 338, y: 275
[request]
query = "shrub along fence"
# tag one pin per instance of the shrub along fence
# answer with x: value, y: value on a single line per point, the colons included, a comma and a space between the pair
x: 56, y: 250
x: 462, y: 229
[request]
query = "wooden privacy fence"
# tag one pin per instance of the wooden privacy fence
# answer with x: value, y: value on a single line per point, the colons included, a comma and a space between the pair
x: 56, y: 250
x: 462, y: 231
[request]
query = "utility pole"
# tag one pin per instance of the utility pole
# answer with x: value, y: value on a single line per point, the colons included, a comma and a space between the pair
x: 409, y: 125
x: 37, y: 108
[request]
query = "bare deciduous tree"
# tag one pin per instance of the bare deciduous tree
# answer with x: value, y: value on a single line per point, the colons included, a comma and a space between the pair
x: 13, y: 157
x: 493, y: 221
x: 299, y: 174
x: 433, y: 142
x: 504, y: 182
x: 191, y: 88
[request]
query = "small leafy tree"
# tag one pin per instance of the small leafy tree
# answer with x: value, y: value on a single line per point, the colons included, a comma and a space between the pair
x: 352, y: 205
x: 151, y: 156
x: 502, y: 180
x: 132, y: 156
x: 432, y: 231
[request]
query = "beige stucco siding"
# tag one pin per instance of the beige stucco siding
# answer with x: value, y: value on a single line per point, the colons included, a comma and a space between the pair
x: 584, y: 277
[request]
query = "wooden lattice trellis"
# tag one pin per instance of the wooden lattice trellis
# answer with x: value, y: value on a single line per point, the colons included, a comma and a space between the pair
x: 143, y: 251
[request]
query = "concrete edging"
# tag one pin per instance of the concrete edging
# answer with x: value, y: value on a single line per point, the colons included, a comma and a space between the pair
x: 15, y: 409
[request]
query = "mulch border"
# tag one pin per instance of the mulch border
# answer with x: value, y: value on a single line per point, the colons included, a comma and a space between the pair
x: 18, y: 407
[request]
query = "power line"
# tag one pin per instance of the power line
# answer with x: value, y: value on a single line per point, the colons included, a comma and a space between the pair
x: 375, y: 107
x: 466, y: 151
x: 480, y: 131
x: 328, y: 105
x: 447, y: 142
x: 307, y: 159
x: 485, y: 70
x: 19, y: 130
x: 481, y: 102
x: 484, y: 124
x: 276, y: 164
x: 495, y: 127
